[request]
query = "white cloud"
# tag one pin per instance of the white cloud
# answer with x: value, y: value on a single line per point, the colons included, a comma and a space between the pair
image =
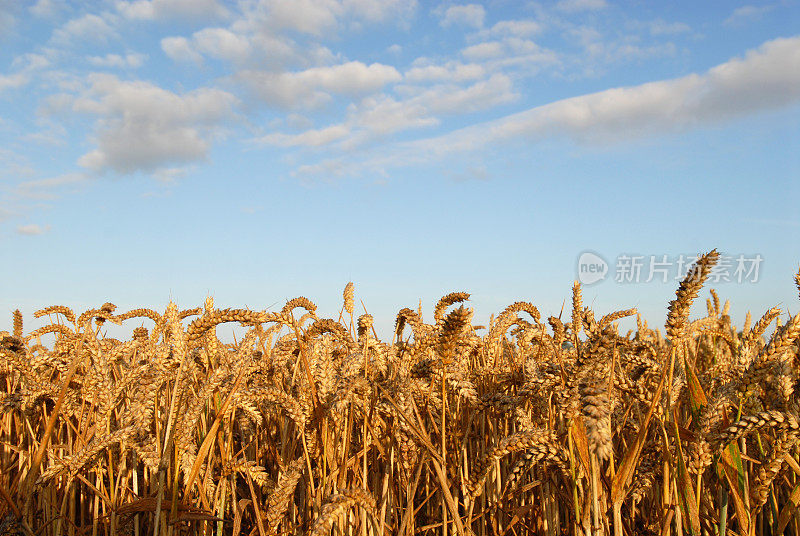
x: 481, y: 95
x: 382, y: 115
x: 221, y: 43
x: 312, y: 87
x: 320, y: 17
x: 46, y: 188
x: 55, y: 104
x: 380, y: 10
x: 89, y: 27
x: 572, y: 6
x: 309, y: 138
x: 171, y: 9
x: 12, y: 81
x: 744, y: 14
x: 50, y: 133
x: 306, y: 16
x: 450, y: 72
x: 179, y: 49
x: 612, y: 52
x: 602, y: 52
x: 661, y: 27
x: 143, y: 127
x: 466, y: 15
x: 584, y: 35
x: 332, y: 167
x: 133, y: 61
x: 26, y: 65
x: 510, y: 53
x: 517, y: 28
x: 46, y: 8
x: 32, y: 229
x: 235, y: 46
x: 7, y: 16
x: 352, y: 78
x: 483, y: 51
x: 30, y: 62
x: 262, y: 33
x: 170, y: 175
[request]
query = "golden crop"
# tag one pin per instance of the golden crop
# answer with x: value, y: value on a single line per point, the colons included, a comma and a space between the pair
x: 308, y: 425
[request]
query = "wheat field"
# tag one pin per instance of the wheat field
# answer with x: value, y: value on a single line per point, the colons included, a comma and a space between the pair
x: 310, y: 425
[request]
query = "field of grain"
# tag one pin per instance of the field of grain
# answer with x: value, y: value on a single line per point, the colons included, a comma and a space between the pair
x: 308, y: 425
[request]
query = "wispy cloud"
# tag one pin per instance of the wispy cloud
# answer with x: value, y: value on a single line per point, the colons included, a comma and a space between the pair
x: 132, y: 60
x: 510, y: 53
x: 171, y: 9
x: 474, y: 173
x: 12, y: 81
x: 14, y: 165
x: 46, y: 8
x: 8, y: 19
x: 572, y: 6
x: 309, y: 138
x: 180, y: 49
x: 315, y: 86
x: 169, y: 175
x: 317, y: 18
x: 467, y: 15
x: 32, y: 229
x: 24, y: 67
x: 88, y: 27
x: 453, y: 71
x: 48, y: 188
x: 662, y: 27
x: 375, y: 118
x: 516, y: 28
x: 744, y: 14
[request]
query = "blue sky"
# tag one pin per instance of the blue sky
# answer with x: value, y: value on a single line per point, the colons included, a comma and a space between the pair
x: 260, y: 150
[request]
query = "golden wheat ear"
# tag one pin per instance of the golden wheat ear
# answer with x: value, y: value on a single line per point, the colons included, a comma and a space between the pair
x: 445, y: 302
x: 56, y: 309
x: 17, y: 324
x: 347, y: 297
x: 797, y: 281
x: 338, y: 505
x: 365, y: 323
x: 687, y: 292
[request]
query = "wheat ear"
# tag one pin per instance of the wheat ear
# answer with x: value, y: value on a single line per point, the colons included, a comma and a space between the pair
x: 340, y: 503
x: 687, y: 292
x: 278, y: 500
x: 513, y: 443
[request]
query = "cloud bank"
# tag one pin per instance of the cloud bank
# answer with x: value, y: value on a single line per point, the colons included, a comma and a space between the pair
x: 767, y: 78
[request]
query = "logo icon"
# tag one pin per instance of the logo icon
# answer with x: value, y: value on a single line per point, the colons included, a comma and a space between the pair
x: 592, y: 268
